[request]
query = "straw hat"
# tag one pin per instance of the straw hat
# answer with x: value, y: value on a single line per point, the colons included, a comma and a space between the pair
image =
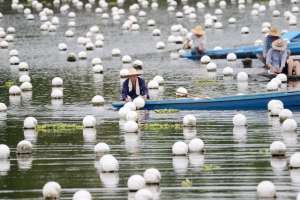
x: 132, y: 72
x: 198, y: 30
x: 274, y: 31
x: 279, y: 45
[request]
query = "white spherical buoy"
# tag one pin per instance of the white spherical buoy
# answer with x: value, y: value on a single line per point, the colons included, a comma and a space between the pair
x: 82, y: 194
x: 62, y: 47
x: 82, y: 55
x: 160, y: 45
x: 211, y: 67
x: 135, y: 182
x: 26, y: 86
x: 227, y: 71
x: 278, y: 148
x: 205, y: 59
x: 98, y: 69
x: 189, y: 120
x: 101, y: 148
x: 98, y: 100
x: 3, y: 107
x: 132, y: 116
x: 89, y: 121
x: 139, y: 102
x: 180, y: 148
x: 272, y: 86
x: 232, y: 20
x: 159, y: 79
x: 30, y: 123
x: 24, y: 147
x: 289, y: 125
x: 295, y: 160
x: 275, y: 104
x: 51, y: 190
x: 57, y: 94
x: 126, y: 59
x: 285, y: 114
x: 131, y: 127
x: 123, y: 112
x: 245, y: 30
x: 266, y: 189
x: 108, y: 163
x: 14, y: 60
x: 196, y: 145
x: 14, y: 90
x: 152, y: 176
x: 24, y: 78
x: 4, y: 151
x: 96, y: 61
x: 57, y: 82
x: 124, y: 73
x: 144, y: 194
x: 282, y: 77
x: 242, y: 77
x: 153, y: 84
x: 156, y: 32
x: 239, y: 120
x: 231, y: 57
x: 115, y: 52
x: 130, y: 105
x: 181, y: 92
x: 23, y: 66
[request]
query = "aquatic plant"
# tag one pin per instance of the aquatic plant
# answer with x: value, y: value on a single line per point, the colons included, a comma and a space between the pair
x: 58, y: 127
x: 7, y: 84
x: 210, y: 168
x: 265, y: 151
x: 186, y: 183
x: 205, y: 82
x: 166, y: 111
x: 161, y: 127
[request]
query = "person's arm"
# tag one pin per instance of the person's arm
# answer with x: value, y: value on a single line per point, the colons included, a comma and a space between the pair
x: 125, y: 90
x: 265, y: 47
x: 144, y: 89
x: 269, y: 59
x: 283, y: 60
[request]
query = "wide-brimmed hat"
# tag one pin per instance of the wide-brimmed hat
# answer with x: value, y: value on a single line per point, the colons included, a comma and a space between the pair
x: 279, y: 45
x: 132, y: 72
x: 274, y: 31
x: 198, y: 30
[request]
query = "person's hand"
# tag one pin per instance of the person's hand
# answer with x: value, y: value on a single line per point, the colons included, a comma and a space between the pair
x: 128, y: 99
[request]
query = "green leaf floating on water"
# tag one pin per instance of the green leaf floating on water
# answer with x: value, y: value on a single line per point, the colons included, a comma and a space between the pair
x: 186, y: 183
x: 8, y: 84
x: 166, y: 111
x: 58, y: 127
x: 210, y: 168
x: 161, y: 127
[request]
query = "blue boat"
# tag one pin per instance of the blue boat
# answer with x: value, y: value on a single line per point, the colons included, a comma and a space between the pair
x: 249, y: 51
x: 257, y: 101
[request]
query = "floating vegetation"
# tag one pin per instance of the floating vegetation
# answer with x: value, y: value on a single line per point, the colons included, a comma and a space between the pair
x: 166, y: 111
x: 58, y: 127
x: 162, y: 127
x: 7, y: 84
x: 265, y: 151
x: 205, y: 82
x: 186, y: 183
x: 210, y: 168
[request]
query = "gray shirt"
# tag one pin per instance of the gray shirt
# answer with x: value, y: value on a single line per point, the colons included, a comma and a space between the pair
x: 276, y: 58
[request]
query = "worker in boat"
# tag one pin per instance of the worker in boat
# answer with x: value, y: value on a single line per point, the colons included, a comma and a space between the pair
x: 293, y: 67
x: 276, y: 58
x: 134, y: 86
x: 196, y: 42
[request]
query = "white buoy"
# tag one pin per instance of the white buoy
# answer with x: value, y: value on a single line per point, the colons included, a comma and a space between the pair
x: 275, y: 104
x: 189, y: 120
x: 239, y: 120
x: 245, y: 30
x: 131, y: 127
x: 126, y: 59
x: 159, y: 79
x: 232, y: 20
x: 266, y: 189
x: 156, y: 32
x: 181, y: 92
x: 231, y: 57
x: 62, y: 47
x: 289, y: 125
x: 24, y: 78
x: 285, y: 114
x: 278, y: 148
x: 51, y: 190
x: 101, y: 148
x: 152, y: 176
x: 24, y: 147
x: 139, y: 102
x: 135, y: 182
x: 98, y: 69
x: 295, y: 160
x: 4, y: 151
x: 57, y: 82
x: 3, y: 107
x: 82, y: 195
x: 124, y: 73
x: 108, y: 163
x: 160, y: 45
x: 123, y: 112
x: 132, y: 116
x: 23, y: 66
x: 57, y: 93
x: 153, y: 84
x: 96, y: 61
x: 98, y: 100
x: 14, y: 60
x: 227, y: 71
x: 282, y: 77
x: 242, y: 77
x: 89, y: 121
x: 115, y: 52
x: 180, y: 148
x: 14, y: 90
x: 205, y: 59
x: 26, y: 86
x: 196, y: 145
x: 272, y: 86
x: 211, y: 67
x: 144, y: 194
x: 82, y: 55
x: 30, y: 123
x: 130, y: 105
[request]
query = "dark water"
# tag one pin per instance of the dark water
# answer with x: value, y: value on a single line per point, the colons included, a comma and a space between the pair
x: 234, y: 161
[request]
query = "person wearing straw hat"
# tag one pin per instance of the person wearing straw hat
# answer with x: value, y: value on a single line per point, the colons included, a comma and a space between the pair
x: 196, y: 41
x: 277, y: 56
x: 134, y: 86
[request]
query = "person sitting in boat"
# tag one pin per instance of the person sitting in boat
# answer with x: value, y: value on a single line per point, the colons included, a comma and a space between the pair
x: 273, y: 35
x: 196, y: 41
x: 276, y: 58
x: 134, y: 86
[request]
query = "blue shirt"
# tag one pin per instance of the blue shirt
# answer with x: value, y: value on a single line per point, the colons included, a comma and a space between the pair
x: 268, y: 43
x: 276, y: 58
x: 132, y: 94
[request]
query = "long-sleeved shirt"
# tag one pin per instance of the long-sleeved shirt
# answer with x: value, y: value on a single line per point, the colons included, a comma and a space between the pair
x: 268, y: 43
x: 198, y: 43
x: 277, y: 58
x: 132, y: 93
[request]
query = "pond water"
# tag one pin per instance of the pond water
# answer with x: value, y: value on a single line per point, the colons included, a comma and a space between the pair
x: 234, y: 162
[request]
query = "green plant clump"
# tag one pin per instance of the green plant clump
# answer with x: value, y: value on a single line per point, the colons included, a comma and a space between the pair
x: 186, y: 183
x: 8, y: 84
x: 161, y: 127
x: 210, y: 168
x: 58, y: 127
x: 166, y: 111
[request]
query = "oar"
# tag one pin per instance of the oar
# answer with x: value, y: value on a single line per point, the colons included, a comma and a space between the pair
x: 194, y: 96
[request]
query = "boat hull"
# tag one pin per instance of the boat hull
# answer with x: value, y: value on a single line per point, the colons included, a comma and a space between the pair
x: 291, y: 100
